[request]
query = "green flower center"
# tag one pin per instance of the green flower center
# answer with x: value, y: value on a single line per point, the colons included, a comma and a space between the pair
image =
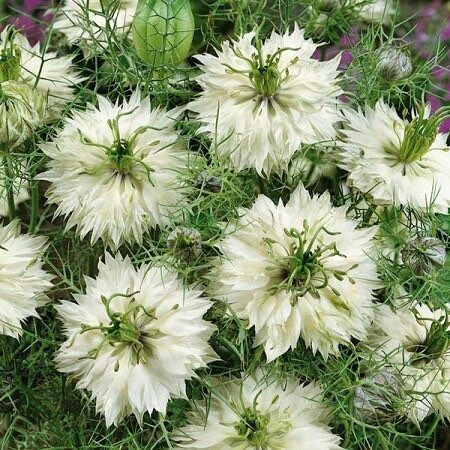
x: 266, y: 79
x: 418, y: 138
x: 303, y: 270
x: 127, y: 328
x: 437, y: 342
x: 121, y: 155
x: 253, y: 427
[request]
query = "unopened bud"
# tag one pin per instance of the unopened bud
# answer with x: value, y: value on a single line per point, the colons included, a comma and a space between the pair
x: 186, y: 243
x: 22, y: 110
x: 424, y: 255
x: 394, y: 63
x: 208, y: 182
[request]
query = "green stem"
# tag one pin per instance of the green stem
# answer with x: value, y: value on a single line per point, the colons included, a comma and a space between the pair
x: 9, y: 179
x: 34, y: 207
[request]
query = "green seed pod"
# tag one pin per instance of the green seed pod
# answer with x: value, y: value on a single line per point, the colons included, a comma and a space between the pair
x: 22, y: 110
x: 163, y: 31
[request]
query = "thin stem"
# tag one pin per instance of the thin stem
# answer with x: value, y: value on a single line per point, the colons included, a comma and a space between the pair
x: 9, y: 179
x: 34, y: 207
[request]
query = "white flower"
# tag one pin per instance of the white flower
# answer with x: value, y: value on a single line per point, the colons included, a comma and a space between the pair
x: 264, y: 104
x: 377, y: 11
x: 134, y: 338
x: 52, y: 75
x: 412, y: 340
x: 298, y: 270
x: 22, y: 279
x: 86, y: 21
x: 388, y: 159
x: 259, y: 413
x: 114, y: 170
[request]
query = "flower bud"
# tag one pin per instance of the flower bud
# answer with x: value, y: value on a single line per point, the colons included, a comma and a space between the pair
x: 394, y: 63
x: 163, y: 31
x: 22, y: 110
x: 208, y: 183
x: 378, y: 398
x: 424, y: 255
x: 186, y: 243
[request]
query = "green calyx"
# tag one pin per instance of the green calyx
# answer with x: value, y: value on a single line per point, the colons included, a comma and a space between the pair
x: 303, y: 270
x: 253, y: 427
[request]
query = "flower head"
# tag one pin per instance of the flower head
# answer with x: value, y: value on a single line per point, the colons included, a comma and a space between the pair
x: 256, y: 413
x: 415, y: 340
x: 49, y: 74
x: 266, y: 99
x: 134, y: 338
x: 298, y: 270
x: 22, y: 110
x: 23, y: 281
x: 86, y: 21
x: 395, y: 161
x: 114, y: 170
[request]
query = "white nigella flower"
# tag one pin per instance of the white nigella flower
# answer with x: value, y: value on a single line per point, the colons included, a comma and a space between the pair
x: 86, y: 21
x: 49, y: 74
x: 376, y: 11
x: 395, y: 161
x: 134, y: 338
x: 298, y: 270
x: 259, y: 413
x: 23, y: 282
x: 266, y: 99
x: 416, y: 341
x: 114, y: 170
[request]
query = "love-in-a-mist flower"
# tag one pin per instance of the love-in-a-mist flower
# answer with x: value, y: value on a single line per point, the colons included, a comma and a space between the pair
x: 257, y: 412
x: 114, y: 170
x: 266, y: 99
x: 376, y: 11
x: 134, y: 338
x: 52, y: 75
x: 298, y: 270
x: 23, y: 281
x: 415, y: 340
x: 87, y: 22
x: 396, y: 161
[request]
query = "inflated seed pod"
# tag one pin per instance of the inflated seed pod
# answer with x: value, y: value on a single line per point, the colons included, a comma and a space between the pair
x: 163, y: 31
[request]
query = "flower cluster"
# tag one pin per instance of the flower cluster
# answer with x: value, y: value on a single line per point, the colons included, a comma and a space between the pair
x: 246, y: 249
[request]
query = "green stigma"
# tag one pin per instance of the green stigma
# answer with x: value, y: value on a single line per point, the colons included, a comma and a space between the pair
x: 253, y: 427
x: 266, y: 80
x: 121, y: 155
x: 419, y: 136
x: 126, y: 329
x: 303, y: 270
